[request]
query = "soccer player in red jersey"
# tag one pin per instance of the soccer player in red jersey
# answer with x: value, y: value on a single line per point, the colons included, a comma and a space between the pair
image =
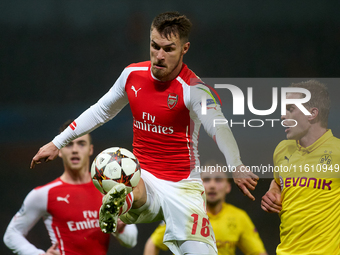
x: 166, y: 107
x: 69, y: 207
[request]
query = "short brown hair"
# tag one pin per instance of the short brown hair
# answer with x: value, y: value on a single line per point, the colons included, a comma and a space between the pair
x: 66, y: 124
x: 172, y: 23
x: 319, y: 99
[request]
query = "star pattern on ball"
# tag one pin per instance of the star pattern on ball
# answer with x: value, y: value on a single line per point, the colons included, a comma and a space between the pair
x: 115, y: 156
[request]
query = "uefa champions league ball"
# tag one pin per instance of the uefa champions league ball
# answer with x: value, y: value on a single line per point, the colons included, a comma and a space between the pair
x: 115, y: 165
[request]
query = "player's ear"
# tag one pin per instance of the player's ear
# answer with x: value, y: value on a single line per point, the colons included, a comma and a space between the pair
x: 314, y: 114
x: 59, y: 154
x: 91, y: 150
x: 185, y: 48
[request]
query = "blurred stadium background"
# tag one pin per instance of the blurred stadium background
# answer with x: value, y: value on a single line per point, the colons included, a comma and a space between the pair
x: 59, y: 57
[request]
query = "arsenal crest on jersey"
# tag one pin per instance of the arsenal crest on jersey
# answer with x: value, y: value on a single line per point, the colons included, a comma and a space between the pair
x: 172, y: 100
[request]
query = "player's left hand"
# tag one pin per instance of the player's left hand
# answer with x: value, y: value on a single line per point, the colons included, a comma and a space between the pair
x: 245, y: 180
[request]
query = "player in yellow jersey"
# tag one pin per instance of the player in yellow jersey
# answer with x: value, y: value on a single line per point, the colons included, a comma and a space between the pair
x: 232, y: 226
x: 306, y: 191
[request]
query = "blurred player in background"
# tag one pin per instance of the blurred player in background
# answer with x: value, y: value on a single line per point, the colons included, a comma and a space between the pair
x: 69, y: 207
x: 307, y: 198
x: 166, y: 109
x: 232, y: 226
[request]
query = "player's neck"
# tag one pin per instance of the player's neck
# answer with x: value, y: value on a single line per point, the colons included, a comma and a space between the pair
x: 314, y: 133
x: 175, y: 72
x: 214, y: 209
x: 76, y: 176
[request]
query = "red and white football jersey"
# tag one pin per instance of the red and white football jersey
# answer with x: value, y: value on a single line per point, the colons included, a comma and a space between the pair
x: 166, y: 121
x: 71, y: 216
x: 163, y: 141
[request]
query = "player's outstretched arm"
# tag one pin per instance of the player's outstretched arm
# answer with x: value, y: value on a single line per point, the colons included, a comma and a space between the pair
x: 224, y: 138
x: 245, y: 180
x: 47, y: 153
x: 271, y: 201
x: 104, y: 110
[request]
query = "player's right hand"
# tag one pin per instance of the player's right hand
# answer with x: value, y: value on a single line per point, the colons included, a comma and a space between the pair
x: 245, y: 180
x: 53, y: 250
x: 47, y: 153
x: 271, y: 202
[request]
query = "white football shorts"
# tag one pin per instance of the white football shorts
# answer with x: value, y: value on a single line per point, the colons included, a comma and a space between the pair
x: 180, y: 204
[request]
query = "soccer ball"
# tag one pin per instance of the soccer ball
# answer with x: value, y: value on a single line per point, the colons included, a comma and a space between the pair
x: 115, y: 165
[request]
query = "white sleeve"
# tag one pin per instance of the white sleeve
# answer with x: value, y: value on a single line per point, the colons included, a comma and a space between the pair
x: 128, y: 237
x: 33, y: 208
x: 221, y: 133
x: 104, y: 110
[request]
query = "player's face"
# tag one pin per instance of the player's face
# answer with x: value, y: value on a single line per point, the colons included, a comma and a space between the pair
x: 76, y: 155
x: 166, y: 55
x: 216, y: 187
x: 293, y: 112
